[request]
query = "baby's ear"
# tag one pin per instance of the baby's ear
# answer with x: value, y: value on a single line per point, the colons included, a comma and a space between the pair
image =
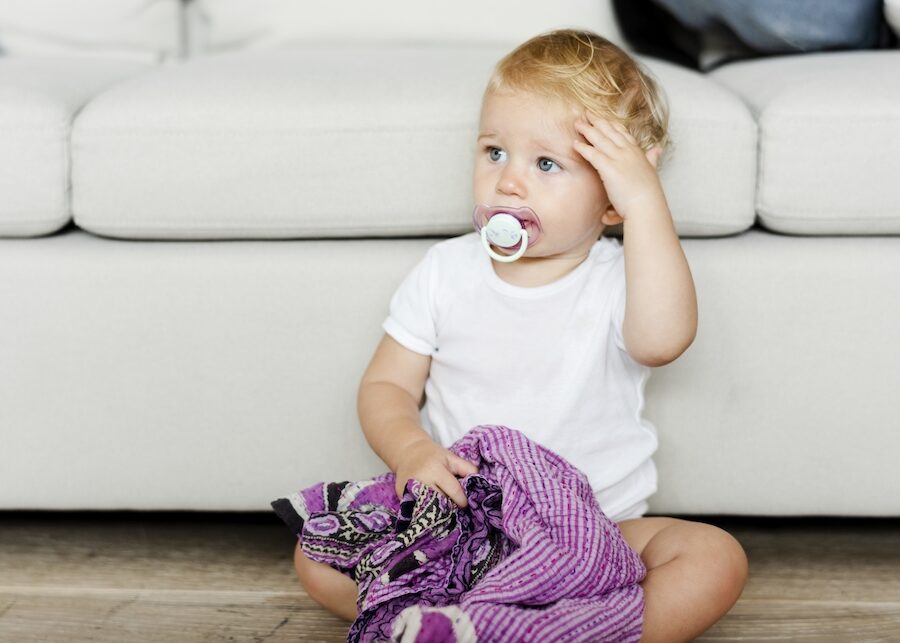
x: 611, y: 217
x: 653, y: 155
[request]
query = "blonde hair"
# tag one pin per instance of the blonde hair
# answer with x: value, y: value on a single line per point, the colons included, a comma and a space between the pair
x: 582, y: 68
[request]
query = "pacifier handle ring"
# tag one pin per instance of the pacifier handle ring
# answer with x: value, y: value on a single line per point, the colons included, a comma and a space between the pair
x: 504, y: 258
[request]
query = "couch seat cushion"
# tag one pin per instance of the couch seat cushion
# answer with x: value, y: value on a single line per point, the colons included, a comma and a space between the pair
x: 829, y: 139
x: 208, y: 376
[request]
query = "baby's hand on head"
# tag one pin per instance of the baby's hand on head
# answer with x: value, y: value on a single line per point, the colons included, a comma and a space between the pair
x: 432, y: 464
x: 628, y: 174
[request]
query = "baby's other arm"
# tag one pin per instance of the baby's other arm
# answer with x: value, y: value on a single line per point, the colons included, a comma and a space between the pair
x: 660, y: 303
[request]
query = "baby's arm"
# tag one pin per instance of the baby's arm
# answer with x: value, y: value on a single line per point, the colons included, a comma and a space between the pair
x: 660, y: 303
x: 388, y: 405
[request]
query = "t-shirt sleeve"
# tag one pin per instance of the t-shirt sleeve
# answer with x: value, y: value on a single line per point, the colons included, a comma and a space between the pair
x: 411, y: 318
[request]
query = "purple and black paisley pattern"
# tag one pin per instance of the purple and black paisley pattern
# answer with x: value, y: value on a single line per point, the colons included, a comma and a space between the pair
x: 532, y: 544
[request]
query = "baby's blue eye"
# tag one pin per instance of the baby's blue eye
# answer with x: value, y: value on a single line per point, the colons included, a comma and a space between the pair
x: 546, y: 159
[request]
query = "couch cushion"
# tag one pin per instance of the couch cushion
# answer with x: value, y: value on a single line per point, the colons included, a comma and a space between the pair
x: 710, y: 177
x: 219, y: 25
x: 829, y: 139
x: 147, y: 31
x: 38, y: 97
x: 349, y: 140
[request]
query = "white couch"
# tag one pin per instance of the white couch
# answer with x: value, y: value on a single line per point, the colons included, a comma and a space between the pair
x: 205, y: 209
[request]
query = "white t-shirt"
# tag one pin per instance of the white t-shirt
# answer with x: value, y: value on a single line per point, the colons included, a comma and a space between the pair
x: 549, y: 361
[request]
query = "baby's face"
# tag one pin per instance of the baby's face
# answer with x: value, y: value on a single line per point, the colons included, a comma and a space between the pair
x: 525, y: 157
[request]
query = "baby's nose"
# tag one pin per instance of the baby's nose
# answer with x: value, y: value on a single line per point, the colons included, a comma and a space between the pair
x: 510, y: 181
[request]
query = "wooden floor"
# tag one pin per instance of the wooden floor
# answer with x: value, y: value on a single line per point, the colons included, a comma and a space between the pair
x: 229, y: 577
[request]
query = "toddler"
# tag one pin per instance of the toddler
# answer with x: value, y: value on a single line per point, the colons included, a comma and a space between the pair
x: 554, y: 335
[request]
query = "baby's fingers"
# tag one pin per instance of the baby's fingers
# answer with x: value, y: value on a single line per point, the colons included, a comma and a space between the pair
x: 400, y: 487
x: 461, y: 466
x: 453, y: 489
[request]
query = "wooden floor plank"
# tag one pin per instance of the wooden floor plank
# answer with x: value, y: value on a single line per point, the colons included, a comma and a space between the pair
x: 819, y: 621
x: 139, y: 553
x: 229, y: 577
x: 821, y: 559
x: 46, y: 614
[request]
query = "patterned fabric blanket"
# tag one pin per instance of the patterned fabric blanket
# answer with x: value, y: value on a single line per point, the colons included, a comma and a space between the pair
x: 532, y: 558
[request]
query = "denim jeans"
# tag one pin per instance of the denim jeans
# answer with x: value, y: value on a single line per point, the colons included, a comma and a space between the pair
x: 784, y: 26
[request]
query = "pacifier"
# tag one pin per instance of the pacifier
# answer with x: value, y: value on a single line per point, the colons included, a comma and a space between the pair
x: 506, y: 227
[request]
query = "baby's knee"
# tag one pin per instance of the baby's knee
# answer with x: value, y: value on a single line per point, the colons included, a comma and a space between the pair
x: 306, y: 571
x: 318, y: 579
x: 730, y: 563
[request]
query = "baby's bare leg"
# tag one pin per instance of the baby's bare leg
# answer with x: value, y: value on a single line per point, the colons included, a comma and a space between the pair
x: 326, y: 586
x: 695, y: 574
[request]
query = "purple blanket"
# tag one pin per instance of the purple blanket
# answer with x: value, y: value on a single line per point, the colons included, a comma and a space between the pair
x: 532, y: 558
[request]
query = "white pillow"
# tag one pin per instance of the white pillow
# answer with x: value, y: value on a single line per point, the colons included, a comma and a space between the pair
x: 216, y: 25
x: 146, y: 31
x: 892, y: 15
